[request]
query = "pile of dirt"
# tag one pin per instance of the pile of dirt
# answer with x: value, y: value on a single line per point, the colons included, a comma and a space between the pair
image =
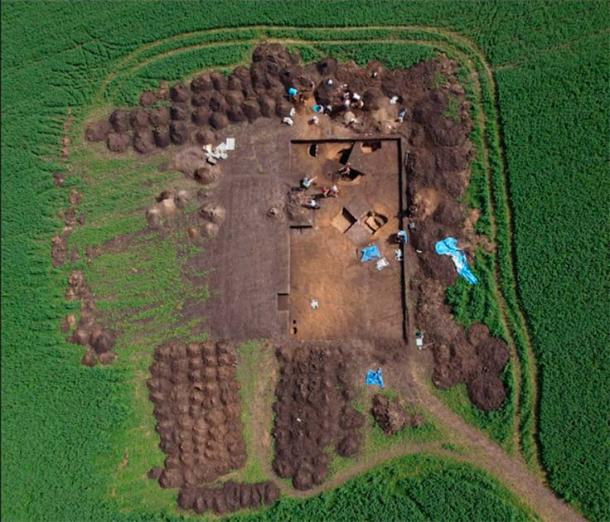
x: 372, y: 96
x: 169, y: 205
x: 438, y: 155
x: 59, y: 242
x: 197, y: 407
x: 313, y: 413
x: 477, y: 359
x: 391, y: 416
x: 89, y: 332
x: 230, y: 497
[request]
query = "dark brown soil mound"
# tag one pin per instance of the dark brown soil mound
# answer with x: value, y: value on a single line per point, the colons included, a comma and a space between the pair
x: 478, y: 333
x: 267, y: 106
x: 203, y: 82
x: 143, y: 141
x: 120, y: 121
x: 161, y: 137
x: 487, y: 391
x: 230, y: 497
x: 179, y: 111
x: 205, y: 136
x: 219, y: 81
x: 118, y: 142
x: 235, y: 114
x: 98, y: 131
x: 159, y: 117
x: 179, y: 93
x: 147, y: 98
x: 251, y: 109
x: 493, y: 355
x: 206, y: 176
x: 139, y: 119
x: 219, y: 120
x: 201, y: 116
x: 389, y: 414
x: 178, y: 132
x: 312, y: 413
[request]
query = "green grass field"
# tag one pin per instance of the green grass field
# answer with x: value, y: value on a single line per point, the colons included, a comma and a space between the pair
x: 542, y: 71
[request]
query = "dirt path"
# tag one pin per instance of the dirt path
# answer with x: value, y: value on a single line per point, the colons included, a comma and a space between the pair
x: 365, y: 465
x: 489, y: 456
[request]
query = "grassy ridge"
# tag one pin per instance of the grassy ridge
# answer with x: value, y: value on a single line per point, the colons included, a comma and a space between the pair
x: 56, y: 417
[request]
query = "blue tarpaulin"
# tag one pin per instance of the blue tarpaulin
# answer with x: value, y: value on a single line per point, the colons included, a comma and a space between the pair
x: 448, y: 247
x: 370, y: 253
x: 374, y: 378
x: 292, y: 92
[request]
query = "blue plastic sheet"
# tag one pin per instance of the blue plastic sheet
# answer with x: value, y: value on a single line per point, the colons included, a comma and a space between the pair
x: 370, y: 253
x: 318, y: 108
x: 292, y: 92
x: 448, y: 247
x: 374, y: 378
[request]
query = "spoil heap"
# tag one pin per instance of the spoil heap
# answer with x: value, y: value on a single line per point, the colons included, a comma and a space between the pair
x: 313, y: 413
x: 197, y: 406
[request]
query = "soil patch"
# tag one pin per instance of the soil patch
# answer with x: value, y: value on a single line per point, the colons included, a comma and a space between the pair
x: 88, y: 332
x: 390, y: 415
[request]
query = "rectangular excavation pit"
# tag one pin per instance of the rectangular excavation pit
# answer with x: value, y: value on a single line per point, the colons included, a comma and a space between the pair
x: 343, y: 221
x: 354, y: 299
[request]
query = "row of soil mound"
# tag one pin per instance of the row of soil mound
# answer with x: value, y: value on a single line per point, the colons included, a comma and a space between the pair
x: 313, y: 412
x: 197, y: 407
x: 88, y: 332
x: 230, y: 497
x: 194, y: 112
x: 437, y: 163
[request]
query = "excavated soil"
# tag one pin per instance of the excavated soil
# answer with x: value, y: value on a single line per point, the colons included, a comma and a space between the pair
x: 230, y: 497
x: 313, y: 412
x: 197, y: 407
x: 88, y: 331
x: 390, y: 415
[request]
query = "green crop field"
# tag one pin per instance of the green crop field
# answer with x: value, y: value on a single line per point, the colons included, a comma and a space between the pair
x: 537, y: 74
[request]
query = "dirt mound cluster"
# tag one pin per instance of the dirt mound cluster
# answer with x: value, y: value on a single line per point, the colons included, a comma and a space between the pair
x: 438, y: 155
x: 213, y: 101
x: 313, y: 413
x: 197, y: 407
x: 391, y: 416
x: 89, y: 332
x: 230, y: 497
x: 477, y: 359
x: 71, y: 218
